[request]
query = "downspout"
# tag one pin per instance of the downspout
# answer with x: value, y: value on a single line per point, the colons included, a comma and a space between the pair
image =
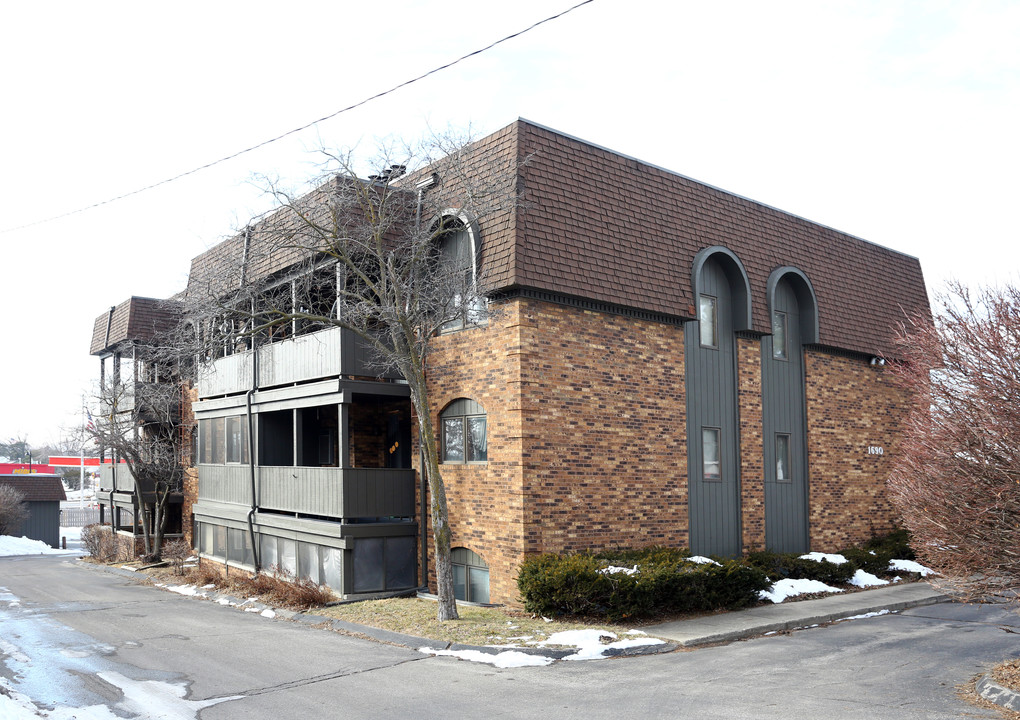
x: 251, y: 420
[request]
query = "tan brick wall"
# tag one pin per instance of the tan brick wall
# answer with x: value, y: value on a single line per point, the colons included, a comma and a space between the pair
x: 752, y: 453
x: 485, y: 500
x: 586, y: 430
x: 604, y: 411
x: 850, y: 406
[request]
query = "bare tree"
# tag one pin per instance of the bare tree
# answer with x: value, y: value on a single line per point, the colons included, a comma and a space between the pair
x: 956, y: 481
x: 140, y: 423
x: 393, y: 258
x: 13, y: 509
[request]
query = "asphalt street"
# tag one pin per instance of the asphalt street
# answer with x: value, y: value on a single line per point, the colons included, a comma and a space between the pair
x: 72, y: 636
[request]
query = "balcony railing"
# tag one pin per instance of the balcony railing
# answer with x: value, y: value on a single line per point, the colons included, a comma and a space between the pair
x: 326, y: 353
x: 327, y: 492
x: 119, y: 478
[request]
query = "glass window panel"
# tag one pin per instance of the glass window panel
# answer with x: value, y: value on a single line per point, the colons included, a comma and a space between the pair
x: 233, y: 439
x: 479, y: 589
x: 459, y: 582
x: 207, y: 538
x: 287, y: 550
x: 783, y: 457
x: 779, y: 335
x: 477, y: 446
x: 309, y: 562
x: 270, y: 560
x: 219, y: 541
x: 708, y: 321
x: 333, y: 568
x: 205, y: 440
x: 710, y: 453
x: 368, y: 565
x: 216, y: 440
x: 453, y: 439
x: 400, y: 562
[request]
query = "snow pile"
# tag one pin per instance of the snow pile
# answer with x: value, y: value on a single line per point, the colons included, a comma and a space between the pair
x: 787, y: 588
x: 508, y: 659
x: 590, y: 645
x: 864, y: 579
x: 819, y: 557
x: 22, y: 546
x: 910, y: 566
x: 10, y: 546
x: 702, y: 560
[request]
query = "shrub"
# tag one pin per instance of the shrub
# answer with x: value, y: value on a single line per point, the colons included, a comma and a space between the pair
x: 666, y: 582
x: 896, y: 545
x: 789, y: 565
x: 98, y: 542
x: 876, y: 563
x: 176, y: 552
x: 13, y: 510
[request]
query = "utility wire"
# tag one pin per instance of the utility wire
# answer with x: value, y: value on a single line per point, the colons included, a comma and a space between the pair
x: 297, y: 129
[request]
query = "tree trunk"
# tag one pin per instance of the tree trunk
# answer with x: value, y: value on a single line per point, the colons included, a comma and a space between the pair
x: 438, y: 510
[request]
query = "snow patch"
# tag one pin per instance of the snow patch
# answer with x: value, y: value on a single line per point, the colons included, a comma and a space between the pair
x: 787, y: 588
x: 910, y: 566
x: 617, y: 570
x: 818, y: 557
x: 507, y: 659
x: 864, y: 579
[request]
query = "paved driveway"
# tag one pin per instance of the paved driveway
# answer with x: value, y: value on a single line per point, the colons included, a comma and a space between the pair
x: 78, y: 637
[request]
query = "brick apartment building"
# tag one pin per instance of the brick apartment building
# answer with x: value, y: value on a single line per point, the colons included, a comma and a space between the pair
x: 668, y: 364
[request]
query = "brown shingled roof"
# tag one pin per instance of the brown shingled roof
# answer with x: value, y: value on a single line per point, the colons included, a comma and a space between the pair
x: 607, y: 227
x: 137, y: 319
x: 36, y: 487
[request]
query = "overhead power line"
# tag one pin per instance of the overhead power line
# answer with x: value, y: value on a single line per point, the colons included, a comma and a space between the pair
x: 270, y: 141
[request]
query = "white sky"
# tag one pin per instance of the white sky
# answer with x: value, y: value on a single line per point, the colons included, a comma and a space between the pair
x: 894, y: 121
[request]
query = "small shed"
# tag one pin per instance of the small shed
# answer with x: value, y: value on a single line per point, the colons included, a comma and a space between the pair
x: 43, y: 495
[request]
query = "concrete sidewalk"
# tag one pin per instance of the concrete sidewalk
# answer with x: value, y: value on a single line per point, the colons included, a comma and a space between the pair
x: 729, y: 626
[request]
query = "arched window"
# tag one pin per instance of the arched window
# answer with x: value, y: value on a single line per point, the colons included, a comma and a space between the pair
x: 470, y: 576
x: 464, y: 432
x: 457, y: 241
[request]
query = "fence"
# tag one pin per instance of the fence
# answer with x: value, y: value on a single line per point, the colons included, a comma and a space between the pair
x: 78, y: 517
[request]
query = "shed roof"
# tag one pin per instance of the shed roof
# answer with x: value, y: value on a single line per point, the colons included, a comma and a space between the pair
x: 36, y: 487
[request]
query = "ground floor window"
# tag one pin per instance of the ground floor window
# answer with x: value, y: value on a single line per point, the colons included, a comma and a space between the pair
x: 470, y: 576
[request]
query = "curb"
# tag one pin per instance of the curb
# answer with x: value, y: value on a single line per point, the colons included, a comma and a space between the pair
x: 761, y: 621
x: 411, y: 642
x: 992, y: 691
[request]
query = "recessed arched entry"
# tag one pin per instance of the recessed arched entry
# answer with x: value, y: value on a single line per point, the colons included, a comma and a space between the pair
x: 722, y: 295
x: 794, y: 317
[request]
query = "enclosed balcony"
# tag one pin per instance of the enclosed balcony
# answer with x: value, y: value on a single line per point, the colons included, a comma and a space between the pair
x: 327, y: 353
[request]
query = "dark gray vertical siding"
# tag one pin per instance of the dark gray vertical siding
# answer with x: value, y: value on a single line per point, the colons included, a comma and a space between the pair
x: 786, y: 521
x: 714, y: 505
x: 43, y: 522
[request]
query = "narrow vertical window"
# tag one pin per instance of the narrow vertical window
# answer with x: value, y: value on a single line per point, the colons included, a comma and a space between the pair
x: 783, y: 458
x: 779, y: 335
x: 708, y: 320
x: 710, y: 454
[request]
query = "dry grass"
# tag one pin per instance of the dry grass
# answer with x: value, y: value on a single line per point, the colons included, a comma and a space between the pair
x: 272, y: 590
x: 476, y: 626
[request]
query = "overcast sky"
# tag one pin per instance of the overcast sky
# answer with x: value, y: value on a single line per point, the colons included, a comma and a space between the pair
x: 893, y: 121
